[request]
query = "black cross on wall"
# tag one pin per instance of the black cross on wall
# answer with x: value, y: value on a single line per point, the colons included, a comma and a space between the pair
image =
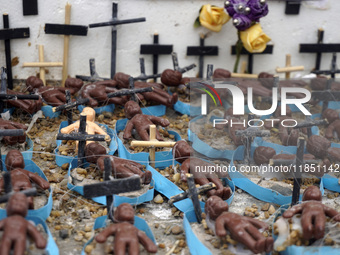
x: 7, y: 34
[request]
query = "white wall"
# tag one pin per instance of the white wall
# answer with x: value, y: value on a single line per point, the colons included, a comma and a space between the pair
x: 173, y: 20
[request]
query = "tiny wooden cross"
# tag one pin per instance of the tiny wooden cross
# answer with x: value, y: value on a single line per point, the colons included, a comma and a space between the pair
x: 110, y: 186
x: 319, y: 48
x: 333, y: 71
x: 42, y: 64
x: 155, y: 50
x: 9, y: 192
x: 243, y: 74
x: 66, y: 30
x: 193, y: 193
x: 152, y: 143
x: 113, y: 23
x: 289, y: 68
x: 202, y: 51
x: 7, y: 34
x: 93, y: 74
x: 82, y: 137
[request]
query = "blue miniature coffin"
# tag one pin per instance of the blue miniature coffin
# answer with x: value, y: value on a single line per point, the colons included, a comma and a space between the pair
x: 305, y: 250
x: 169, y: 189
x: 60, y: 159
x: 261, y: 193
x: 117, y: 200
x: 140, y: 223
x: 163, y: 158
x: 44, y: 211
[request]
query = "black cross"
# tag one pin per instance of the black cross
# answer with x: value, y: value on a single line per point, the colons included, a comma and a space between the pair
x: 326, y: 95
x: 309, y: 123
x: 193, y: 193
x: 155, y: 50
x: 176, y: 66
x: 268, y: 50
x: 249, y: 134
x: 7, y: 34
x: 143, y: 76
x: 30, y: 7
x: 110, y: 187
x: 9, y: 192
x: 113, y: 23
x: 202, y: 51
x: 82, y: 137
x: 5, y: 96
x: 93, y: 74
x: 334, y: 69
x: 319, y: 48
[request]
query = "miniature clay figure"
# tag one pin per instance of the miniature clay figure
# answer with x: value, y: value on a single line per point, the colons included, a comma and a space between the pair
x: 16, y: 228
x: 21, y: 178
x: 121, y: 168
x: 333, y: 119
x: 29, y: 106
x: 221, y: 73
x: 320, y: 83
x: 313, y: 214
x: 141, y: 122
x: 97, y: 93
x: 11, y: 140
x: 243, y: 229
x: 320, y: 147
x: 171, y: 77
x: 91, y: 128
x: 158, y: 95
x: 263, y: 154
x: 54, y: 96
x: 183, y: 152
x: 127, y: 236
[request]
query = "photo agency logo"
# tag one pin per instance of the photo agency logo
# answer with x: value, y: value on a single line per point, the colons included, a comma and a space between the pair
x: 279, y: 99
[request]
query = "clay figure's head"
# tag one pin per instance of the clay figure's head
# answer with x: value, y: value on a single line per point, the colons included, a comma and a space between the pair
x: 131, y: 109
x: 74, y: 84
x: 312, y: 193
x: 215, y: 206
x: 14, y: 159
x: 124, y: 213
x: 17, y: 205
x: 182, y: 151
x: 93, y: 151
x: 33, y: 82
x: 90, y: 113
x: 331, y: 115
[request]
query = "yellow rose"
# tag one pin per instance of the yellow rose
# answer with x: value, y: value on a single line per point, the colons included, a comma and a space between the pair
x: 253, y: 39
x: 213, y: 17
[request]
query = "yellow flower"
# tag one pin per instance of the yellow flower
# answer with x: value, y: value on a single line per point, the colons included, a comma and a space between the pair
x: 213, y: 17
x: 253, y: 39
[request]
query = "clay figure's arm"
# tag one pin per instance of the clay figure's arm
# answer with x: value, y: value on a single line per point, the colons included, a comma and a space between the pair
x: 41, y: 182
x: 332, y: 213
x: 159, y: 121
x: 40, y: 241
x: 147, y: 242
x: 70, y: 128
x: 110, y: 230
x: 128, y: 130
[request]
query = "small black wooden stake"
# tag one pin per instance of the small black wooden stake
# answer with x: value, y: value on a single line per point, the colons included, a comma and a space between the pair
x: 309, y: 123
x: 319, y: 48
x: 110, y: 186
x: 297, y: 178
x: 326, y: 95
x: 210, y: 72
x: 202, y: 51
x: 176, y: 66
x: 268, y: 50
x: 155, y: 50
x: 69, y: 111
x: 193, y: 193
x: 9, y: 192
x: 70, y: 105
x: 143, y: 76
x: 82, y: 137
x: 334, y: 69
x: 7, y: 34
x: 5, y: 96
x: 93, y: 74
x: 113, y: 23
x: 30, y: 7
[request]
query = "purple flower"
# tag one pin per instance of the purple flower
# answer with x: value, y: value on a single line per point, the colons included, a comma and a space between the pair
x: 241, y: 22
x: 257, y: 10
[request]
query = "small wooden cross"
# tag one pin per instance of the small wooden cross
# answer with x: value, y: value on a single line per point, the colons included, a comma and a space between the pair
x: 319, y: 48
x: 42, y: 64
x: 193, y: 193
x: 152, y: 143
x: 66, y: 30
x: 243, y: 74
x: 110, y: 186
x: 155, y: 50
x: 289, y: 68
x: 7, y: 34
x: 113, y: 23
x: 202, y: 51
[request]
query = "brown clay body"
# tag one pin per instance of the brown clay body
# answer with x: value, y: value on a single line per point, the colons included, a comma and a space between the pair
x: 263, y: 154
x: 16, y: 228
x: 171, y: 77
x: 29, y: 106
x: 313, y: 214
x: 127, y: 236
x: 11, y: 140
